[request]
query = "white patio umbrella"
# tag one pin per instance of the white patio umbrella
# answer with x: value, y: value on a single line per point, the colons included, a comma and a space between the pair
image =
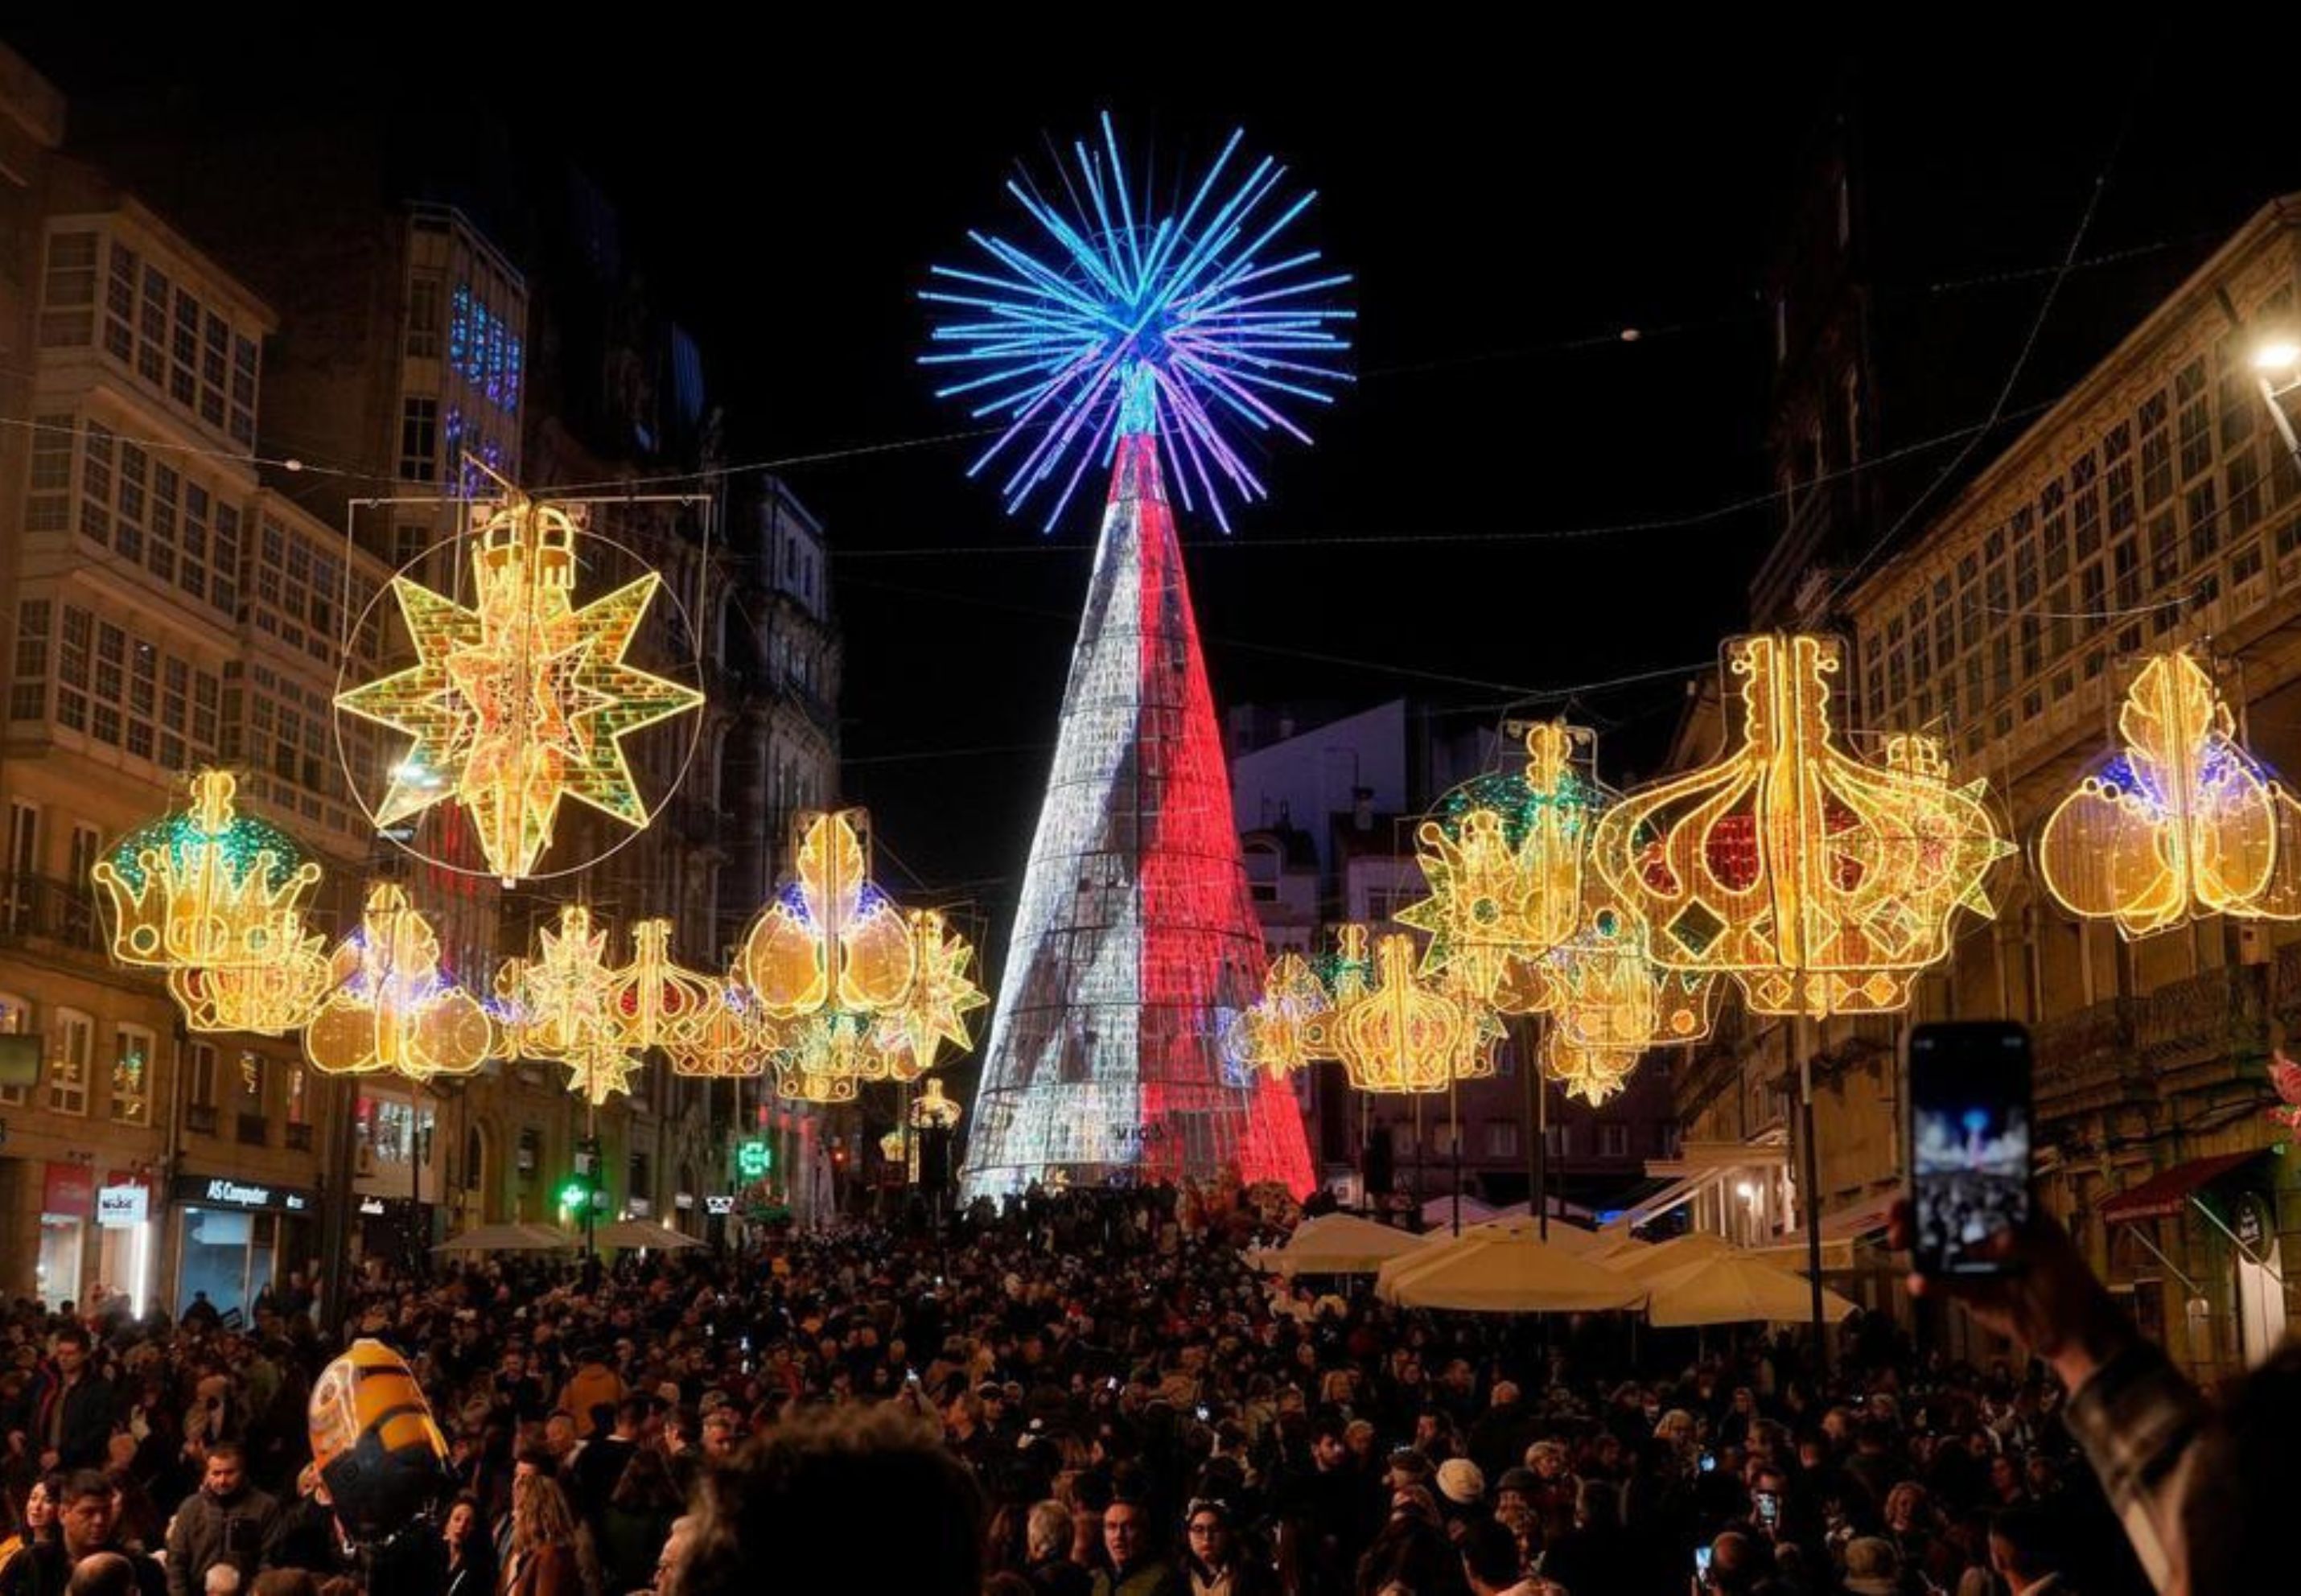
x: 1502, y: 1268
x: 642, y: 1232
x: 507, y: 1237
x: 1734, y: 1288
x: 1649, y: 1262
x: 1335, y: 1244
x: 1440, y: 1210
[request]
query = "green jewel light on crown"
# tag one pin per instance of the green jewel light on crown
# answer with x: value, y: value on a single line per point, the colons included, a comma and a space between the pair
x: 208, y: 889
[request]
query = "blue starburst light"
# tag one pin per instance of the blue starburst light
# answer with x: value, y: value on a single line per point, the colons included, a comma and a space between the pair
x: 1198, y: 327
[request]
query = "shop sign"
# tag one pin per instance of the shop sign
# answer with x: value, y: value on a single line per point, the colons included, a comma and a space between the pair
x: 123, y: 1207
x: 718, y: 1207
x: 2252, y: 1223
x: 68, y: 1191
x: 371, y: 1207
x: 684, y: 1201
x: 222, y: 1191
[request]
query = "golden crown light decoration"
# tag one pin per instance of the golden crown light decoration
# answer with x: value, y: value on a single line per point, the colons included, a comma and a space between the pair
x: 1503, y: 859
x: 207, y: 888
x: 652, y: 1001
x: 522, y: 700
x: 1821, y: 883
x: 2181, y: 821
x: 1607, y: 994
x: 729, y: 1039
x: 1400, y: 1034
x: 392, y: 1010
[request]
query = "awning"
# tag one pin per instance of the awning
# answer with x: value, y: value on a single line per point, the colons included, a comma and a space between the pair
x: 1841, y: 1228
x: 2168, y: 1192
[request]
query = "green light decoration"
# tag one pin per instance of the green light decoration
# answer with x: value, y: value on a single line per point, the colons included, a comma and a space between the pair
x: 208, y: 887
x: 752, y: 1160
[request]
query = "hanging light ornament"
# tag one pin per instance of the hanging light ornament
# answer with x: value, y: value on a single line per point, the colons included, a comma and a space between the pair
x: 392, y: 1010
x: 567, y: 1009
x: 1400, y: 1035
x: 653, y: 1002
x: 598, y: 1071
x: 911, y: 1035
x: 1503, y: 859
x: 269, y: 999
x: 729, y: 1039
x: 1594, y: 1075
x: 207, y: 888
x: 1607, y: 994
x: 524, y: 699
x: 830, y: 939
x: 2183, y: 821
x: 1276, y: 1033
x: 1822, y: 884
x: 824, y: 1057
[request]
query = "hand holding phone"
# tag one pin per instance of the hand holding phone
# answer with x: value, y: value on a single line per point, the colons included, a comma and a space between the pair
x: 1969, y: 1145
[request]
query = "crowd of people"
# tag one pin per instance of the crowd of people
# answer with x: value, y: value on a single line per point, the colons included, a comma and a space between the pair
x: 1085, y: 1394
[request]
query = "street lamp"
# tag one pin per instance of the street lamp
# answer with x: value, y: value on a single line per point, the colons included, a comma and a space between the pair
x: 2276, y: 368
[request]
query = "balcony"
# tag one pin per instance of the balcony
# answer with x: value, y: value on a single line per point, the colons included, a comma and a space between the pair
x: 2086, y: 1060
x: 298, y: 1138
x: 38, y: 908
x: 255, y: 1131
x: 2216, y: 1019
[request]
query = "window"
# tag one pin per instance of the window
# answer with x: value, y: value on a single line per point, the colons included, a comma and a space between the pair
x: 28, y: 693
x: 1556, y: 1141
x: 132, y: 1052
x: 1613, y: 1140
x: 299, y: 1102
x: 15, y: 1019
x: 1502, y: 1139
x: 72, y: 1049
x: 201, y: 1090
x: 68, y: 292
x: 47, y: 508
x: 424, y: 316
x: 419, y: 440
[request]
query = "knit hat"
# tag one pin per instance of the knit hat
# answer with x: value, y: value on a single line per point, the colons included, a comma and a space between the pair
x: 1524, y: 1481
x: 1461, y: 1481
x: 1871, y: 1567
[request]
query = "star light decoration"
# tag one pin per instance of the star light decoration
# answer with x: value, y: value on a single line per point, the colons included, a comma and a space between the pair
x: 849, y: 989
x: 1821, y: 883
x: 565, y: 1007
x: 523, y: 700
x: 2183, y: 821
x: 392, y: 1010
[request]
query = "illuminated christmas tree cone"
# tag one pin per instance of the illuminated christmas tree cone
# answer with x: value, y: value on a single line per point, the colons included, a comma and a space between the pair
x: 1136, y: 342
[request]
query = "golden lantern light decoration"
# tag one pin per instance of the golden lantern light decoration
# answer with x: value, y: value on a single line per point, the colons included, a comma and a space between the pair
x: 1607, y: 994
x: 1276, y: 1031
x: 392, y: 1010
x: 846, y: 987
x: 206, y: 888
x: 1594, y: 1075
x: 522, y: 700
x: 2181, y: 821
x: 830, y: 939
x: 1503, y: 858
x: 652, y: 1001
x: 1822, y: 883
x: 269, y: 999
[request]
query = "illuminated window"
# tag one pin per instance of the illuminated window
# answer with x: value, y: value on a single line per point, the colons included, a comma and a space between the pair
x: 133, y: 1050
x: 15, y: 1020
x: 72, y: 1048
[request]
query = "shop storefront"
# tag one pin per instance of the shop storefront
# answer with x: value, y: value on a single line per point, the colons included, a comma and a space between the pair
x: 67, y: 1210
x: 394, y: 1229
x: 126, y: 1245
x: 232, y: 1239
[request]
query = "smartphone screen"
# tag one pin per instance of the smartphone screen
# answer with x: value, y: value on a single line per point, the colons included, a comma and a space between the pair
x: 1700, y: 1561
x: 1969, y: 1142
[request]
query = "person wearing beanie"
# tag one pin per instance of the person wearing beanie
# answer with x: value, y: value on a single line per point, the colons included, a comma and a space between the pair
x: 1461, y: 1483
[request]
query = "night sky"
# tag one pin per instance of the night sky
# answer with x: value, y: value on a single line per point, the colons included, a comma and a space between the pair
x: 1509, y: 205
